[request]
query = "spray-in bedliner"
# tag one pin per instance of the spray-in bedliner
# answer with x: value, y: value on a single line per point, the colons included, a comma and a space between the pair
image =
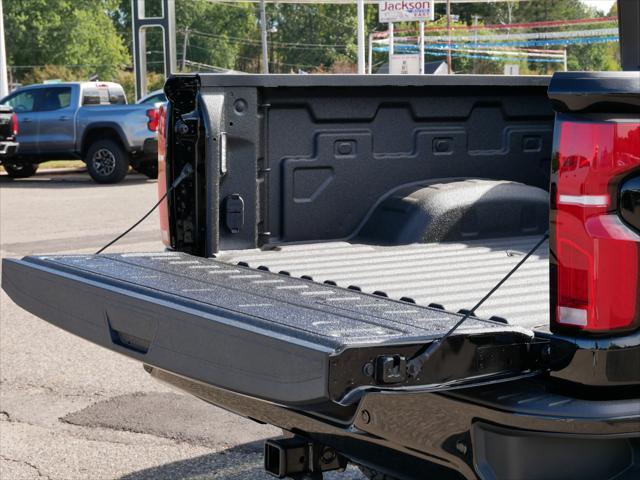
x: 453, y: 275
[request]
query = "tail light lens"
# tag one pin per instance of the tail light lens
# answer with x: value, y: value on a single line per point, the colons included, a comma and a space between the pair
x: 14, y: 124
x: 595, y: 255
x: 154, y: 115
x: 162, y: 175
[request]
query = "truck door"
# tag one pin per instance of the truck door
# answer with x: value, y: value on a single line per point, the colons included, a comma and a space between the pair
x: 56, y: 128
x: 24, y: 104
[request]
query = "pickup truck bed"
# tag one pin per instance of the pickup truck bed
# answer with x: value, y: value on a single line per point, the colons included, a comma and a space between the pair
x: 453, y: 276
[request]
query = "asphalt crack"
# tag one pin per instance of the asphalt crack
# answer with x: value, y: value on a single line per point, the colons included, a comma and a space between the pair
x: 28, y: 464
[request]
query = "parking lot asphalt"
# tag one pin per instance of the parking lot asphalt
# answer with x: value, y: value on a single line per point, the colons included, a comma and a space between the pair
x: 72, y: 410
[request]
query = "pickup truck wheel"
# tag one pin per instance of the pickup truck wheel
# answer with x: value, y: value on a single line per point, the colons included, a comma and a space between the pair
x: 21, y: 170
x: 373, y: 475
x: 107, y: 162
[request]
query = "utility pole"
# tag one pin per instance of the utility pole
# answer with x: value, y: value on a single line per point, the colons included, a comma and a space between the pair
x: 361, y: 61
x: 391, y: 44
x: 263, y: 36
x: 421, y: 47
x: 185, y: 43
x: 4, y: 84
x: 370, y: 66
x: 475, y: 45
x: 449, y: 66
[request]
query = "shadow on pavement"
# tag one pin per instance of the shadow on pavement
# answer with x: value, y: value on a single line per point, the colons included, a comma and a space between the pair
x: 236, y: 443
x: 232, y: 464
x: 67, y: 180
x: 241, y: 462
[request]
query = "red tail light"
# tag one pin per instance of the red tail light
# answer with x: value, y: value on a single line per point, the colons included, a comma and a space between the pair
x: 162, y: 175
x: 154, y: 116
x: 14, y: 124
x: 595, y: 255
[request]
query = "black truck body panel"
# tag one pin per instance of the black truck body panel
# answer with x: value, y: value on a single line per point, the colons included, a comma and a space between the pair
x: 596, y: 92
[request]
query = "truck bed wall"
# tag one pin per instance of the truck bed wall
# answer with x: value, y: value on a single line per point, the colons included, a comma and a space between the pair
x: 311, y: 156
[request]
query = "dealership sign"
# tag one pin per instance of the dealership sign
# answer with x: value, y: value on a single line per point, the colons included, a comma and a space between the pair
x: 405, y: 11
x: 404, y: 64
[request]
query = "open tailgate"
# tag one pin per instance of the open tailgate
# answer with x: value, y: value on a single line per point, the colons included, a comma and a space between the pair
x: 271, y: 336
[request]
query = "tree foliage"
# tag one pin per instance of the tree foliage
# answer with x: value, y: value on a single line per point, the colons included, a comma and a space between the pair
x: 76, y: 34
x: 87, y: 37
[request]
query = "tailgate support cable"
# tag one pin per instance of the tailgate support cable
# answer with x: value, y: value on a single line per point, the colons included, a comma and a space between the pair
x: 187, y: 170
x: 414, y: 366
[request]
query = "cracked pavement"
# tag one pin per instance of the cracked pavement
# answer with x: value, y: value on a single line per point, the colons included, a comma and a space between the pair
x: 72, y: 410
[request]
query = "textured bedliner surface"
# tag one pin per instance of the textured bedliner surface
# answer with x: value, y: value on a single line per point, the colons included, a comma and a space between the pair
x: 453, y: 275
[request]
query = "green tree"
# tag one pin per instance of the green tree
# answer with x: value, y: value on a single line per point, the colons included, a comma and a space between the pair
x: 224, y: 36
x: 77, y: 34
x: 221, y: 35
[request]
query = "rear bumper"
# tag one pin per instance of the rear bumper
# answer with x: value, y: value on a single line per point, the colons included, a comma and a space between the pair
x: 600, y: 362
x: 520, y: 429
x: 505, y: 430
x: 8, y: 149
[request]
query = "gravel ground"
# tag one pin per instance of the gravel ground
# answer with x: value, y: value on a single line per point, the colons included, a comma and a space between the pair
x: 72, y: 410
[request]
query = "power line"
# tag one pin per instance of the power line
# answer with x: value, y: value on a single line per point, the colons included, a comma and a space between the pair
x: 257, y: 42
x: 68, y: 65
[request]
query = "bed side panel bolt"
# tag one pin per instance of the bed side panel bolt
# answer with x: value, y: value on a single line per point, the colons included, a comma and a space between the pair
x: 461, y: 447
x: 365, y: 416
x: 368, y: 369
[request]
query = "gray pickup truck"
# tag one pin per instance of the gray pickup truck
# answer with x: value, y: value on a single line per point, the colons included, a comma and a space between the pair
x: 87, y: 120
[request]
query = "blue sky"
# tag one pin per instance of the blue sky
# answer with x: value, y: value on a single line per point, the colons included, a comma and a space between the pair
x: 604, y: 5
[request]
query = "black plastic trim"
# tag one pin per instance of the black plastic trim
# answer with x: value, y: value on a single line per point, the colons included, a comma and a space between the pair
x: 8, y: 149
x: 82, y: 147
x: 565, y: 456
x: 609, y: 92
x: 255, y: 80
x: 629, y: 202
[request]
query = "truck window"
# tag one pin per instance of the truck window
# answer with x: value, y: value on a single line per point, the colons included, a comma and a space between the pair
x: 22, y: 101
x: 93, y: 96
x: 103, y: 95
x: 117, y: 96
x: 55, y: 98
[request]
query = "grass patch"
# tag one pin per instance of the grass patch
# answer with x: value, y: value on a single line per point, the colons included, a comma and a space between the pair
x: 61, y: 164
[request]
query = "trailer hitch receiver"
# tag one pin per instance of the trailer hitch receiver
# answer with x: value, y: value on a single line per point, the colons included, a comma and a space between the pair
x: 298, y: 458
